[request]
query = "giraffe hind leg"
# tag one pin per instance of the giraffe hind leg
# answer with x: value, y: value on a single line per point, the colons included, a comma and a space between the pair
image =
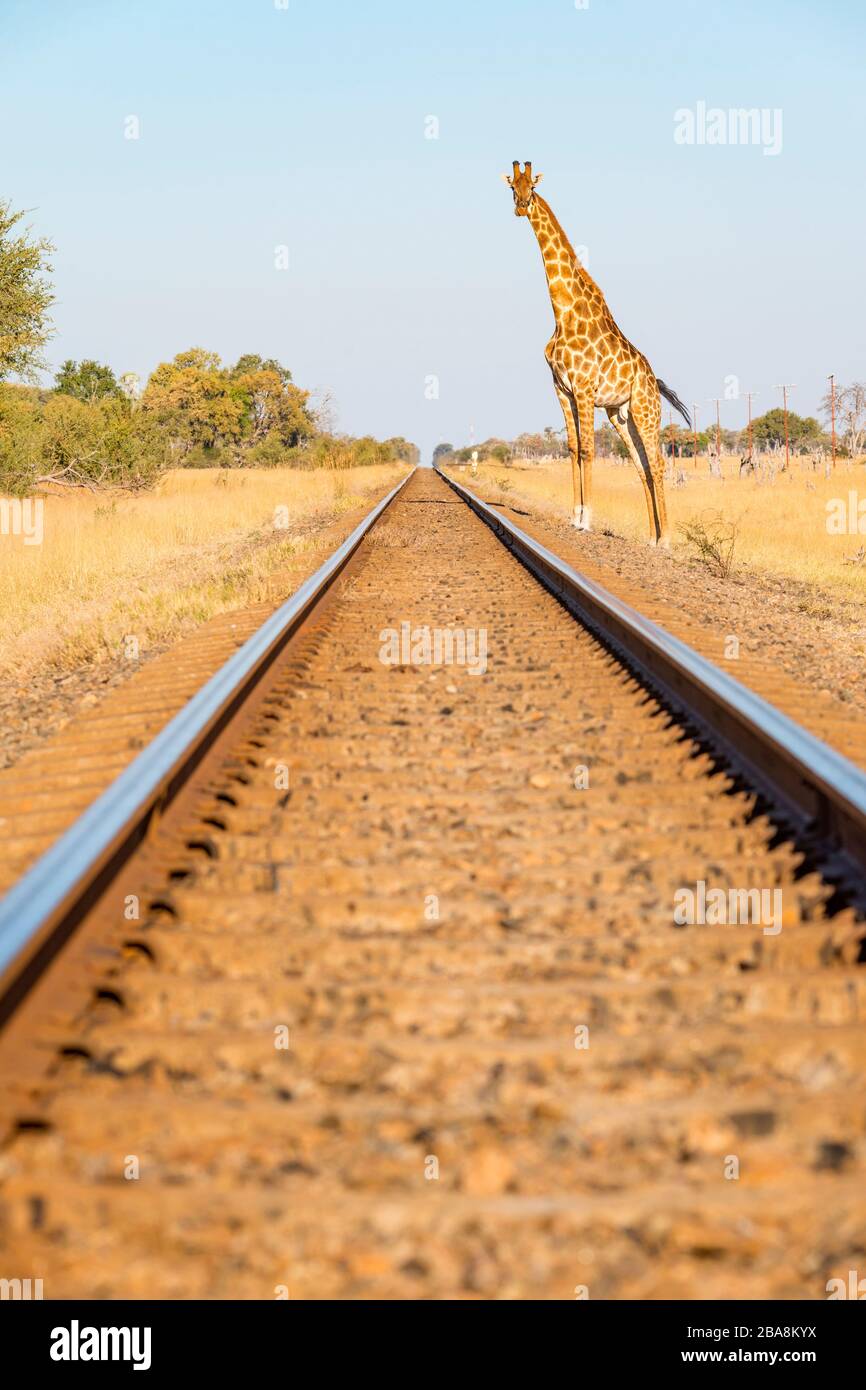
x: 644, y: 423
x: 619, y: 419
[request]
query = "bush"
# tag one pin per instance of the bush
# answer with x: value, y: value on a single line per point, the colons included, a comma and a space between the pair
x: 194, y: 413
x: 713, y: 539
x: 59, y: 439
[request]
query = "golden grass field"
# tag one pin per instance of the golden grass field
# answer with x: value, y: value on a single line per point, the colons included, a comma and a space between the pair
x: 781, y: 527
x: 156, y: 564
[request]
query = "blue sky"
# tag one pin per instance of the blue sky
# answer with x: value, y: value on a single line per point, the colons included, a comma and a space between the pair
x: 305, y: 126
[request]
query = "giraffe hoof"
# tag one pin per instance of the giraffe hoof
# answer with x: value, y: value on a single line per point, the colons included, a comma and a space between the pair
x: 582, y: 519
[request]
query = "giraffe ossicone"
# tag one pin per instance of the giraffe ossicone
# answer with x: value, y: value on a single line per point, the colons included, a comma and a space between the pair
x: 594, y: 366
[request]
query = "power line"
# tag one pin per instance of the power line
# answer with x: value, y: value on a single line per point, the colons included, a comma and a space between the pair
x: 785, y: 387
x: 832, y: 380
x: 716, y: 400
x: 749, y: 395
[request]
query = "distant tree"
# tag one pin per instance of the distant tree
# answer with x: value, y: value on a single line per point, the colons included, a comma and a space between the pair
x: 441, y: 450
x: 671, y: 435
x: 531, y: 446
x: 687, y: 446
x: 86, y: 380
x: 274, y: 407
x: 606, y: 441
x: 403, y: 449
x: 619, y: 449
x: 850, y: 415
x: 25, y: 297
x: 809, y: 433
x: 130, y: 385
x: 769, y: 430
x: 198, y: 402
x: 252, y: 362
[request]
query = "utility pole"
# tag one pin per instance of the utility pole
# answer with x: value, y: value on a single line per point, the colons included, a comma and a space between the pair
x: 749, y: 395
x: 785, y: 387
x: 695, y: 433
x: 832, y: 380
x: 718, y: 431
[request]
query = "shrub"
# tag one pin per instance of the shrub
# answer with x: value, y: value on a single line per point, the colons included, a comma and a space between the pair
x: 713, y: 539
x: 59, y: 439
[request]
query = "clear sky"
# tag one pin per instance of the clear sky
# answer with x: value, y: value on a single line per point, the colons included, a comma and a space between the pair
x: 306, y: 127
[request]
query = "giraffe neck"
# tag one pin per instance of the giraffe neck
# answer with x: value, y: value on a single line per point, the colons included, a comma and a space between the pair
x: 567, y: 280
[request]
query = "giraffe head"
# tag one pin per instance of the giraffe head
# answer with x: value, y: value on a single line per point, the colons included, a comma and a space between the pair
x: 522, y: 186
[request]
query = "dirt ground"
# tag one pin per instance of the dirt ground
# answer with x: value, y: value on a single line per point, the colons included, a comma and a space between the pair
x: 807, y: 632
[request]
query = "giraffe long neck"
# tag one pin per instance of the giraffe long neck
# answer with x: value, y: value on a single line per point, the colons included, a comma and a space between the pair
x: 567, y: 280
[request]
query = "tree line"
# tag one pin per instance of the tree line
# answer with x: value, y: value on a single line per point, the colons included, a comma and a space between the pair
x: 91, y: 428
x: 805, y: 436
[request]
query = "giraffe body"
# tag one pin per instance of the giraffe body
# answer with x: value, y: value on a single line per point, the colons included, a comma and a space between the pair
x: 594, y: 365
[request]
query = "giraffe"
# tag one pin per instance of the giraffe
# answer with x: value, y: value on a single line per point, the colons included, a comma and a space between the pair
x: 594, y: 365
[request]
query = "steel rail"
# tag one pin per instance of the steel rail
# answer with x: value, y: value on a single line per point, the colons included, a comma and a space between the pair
x: 820, y: 791
x: 41, y: 910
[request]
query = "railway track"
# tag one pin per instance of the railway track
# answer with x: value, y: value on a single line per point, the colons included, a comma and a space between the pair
x: 378, y: 985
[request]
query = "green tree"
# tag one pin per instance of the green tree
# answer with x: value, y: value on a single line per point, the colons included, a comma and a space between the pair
x: 441, y: 450
x: 849, y: 407
x: 252, y: 362
x: 86, y: 380
x: 273, y: 407
x: 196, y: 400
x: 803, y: 433
x: 25, y: 297
x: 403, y: 449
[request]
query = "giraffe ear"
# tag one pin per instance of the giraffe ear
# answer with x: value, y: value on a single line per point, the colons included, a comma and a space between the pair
x: 507, y: 178
x: 537, y: 179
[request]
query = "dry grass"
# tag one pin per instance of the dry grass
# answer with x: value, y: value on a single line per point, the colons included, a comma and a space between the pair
x: 781, y: 527
x: 156, y: 565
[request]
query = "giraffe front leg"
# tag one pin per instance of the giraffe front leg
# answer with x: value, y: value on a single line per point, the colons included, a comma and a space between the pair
x: 569, y: 410
x: 585, y: 409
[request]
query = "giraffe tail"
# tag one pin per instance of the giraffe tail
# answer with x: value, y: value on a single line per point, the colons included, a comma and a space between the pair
x: 675, y: 401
